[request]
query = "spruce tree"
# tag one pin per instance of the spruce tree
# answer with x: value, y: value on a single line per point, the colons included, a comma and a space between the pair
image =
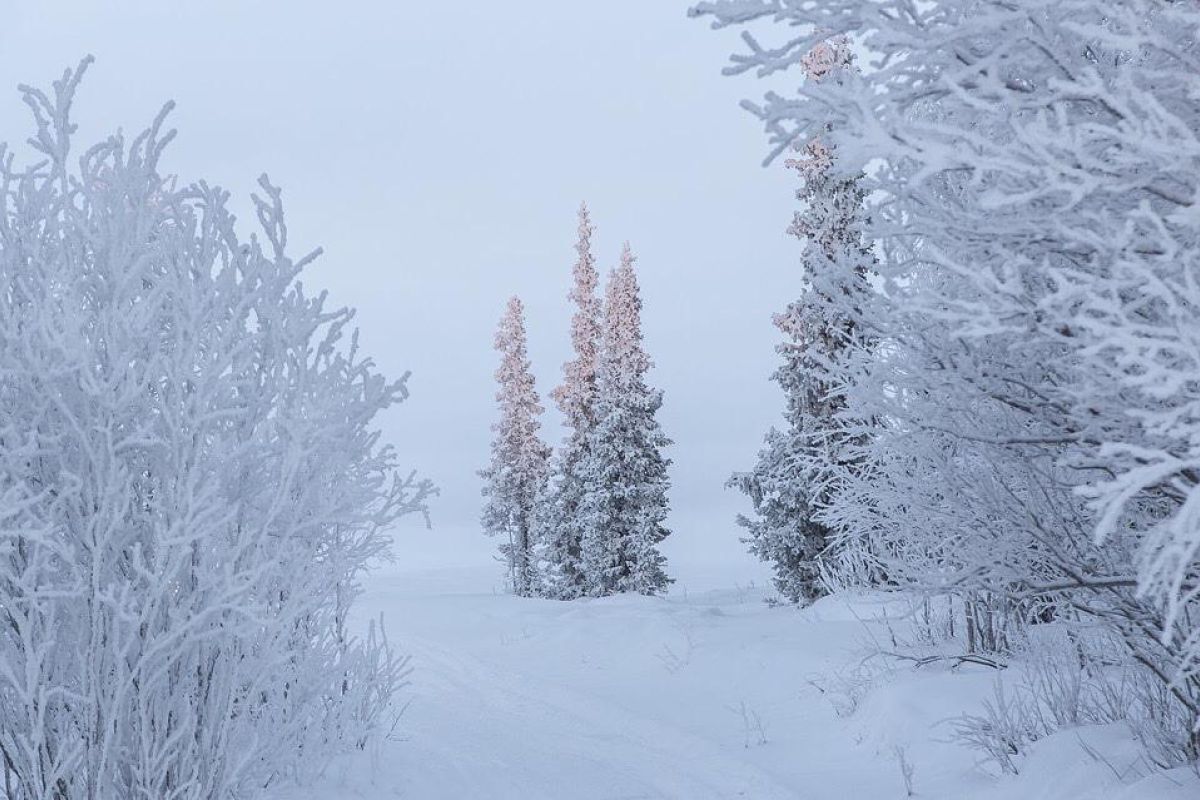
x: 788, y: 486
x: 516, y: 476
x: 558, y: 523
x: 624, y: 469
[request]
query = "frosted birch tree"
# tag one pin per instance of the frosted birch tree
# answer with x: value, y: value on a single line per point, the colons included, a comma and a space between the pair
x: 191, y: 485
x: 624, y: 469
x: 516, y: 476
x: 558, y: 523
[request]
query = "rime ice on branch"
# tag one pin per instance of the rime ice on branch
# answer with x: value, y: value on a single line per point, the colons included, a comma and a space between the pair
x: 192, y: 485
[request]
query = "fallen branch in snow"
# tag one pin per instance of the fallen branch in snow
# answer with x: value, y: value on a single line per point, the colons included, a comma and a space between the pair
x: 959, y: 660
x: 906, y: 769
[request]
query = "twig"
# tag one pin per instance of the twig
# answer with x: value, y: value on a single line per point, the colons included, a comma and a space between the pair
x: 959, y: 660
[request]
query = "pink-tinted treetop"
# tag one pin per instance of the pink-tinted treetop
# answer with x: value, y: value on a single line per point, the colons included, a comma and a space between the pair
x: 623, y: 322
x: 824, y: 59
x: 576, y: 395
x: 519, y: 403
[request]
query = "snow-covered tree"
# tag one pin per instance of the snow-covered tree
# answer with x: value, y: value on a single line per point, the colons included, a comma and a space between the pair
x: 558, y: 526
x: 789, y: 483
x: 191, y: 485
x: 516, y: 476
x: 1034, y: 186
x: 624, y: 470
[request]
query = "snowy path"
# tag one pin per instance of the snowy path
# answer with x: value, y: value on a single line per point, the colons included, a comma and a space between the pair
x: 692, y: 697
x: 544, y: 740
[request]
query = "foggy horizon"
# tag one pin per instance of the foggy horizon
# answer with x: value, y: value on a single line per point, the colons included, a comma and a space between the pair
x: 384, y: 127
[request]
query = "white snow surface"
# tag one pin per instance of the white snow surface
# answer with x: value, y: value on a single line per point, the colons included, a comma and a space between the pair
x: 702, y: 694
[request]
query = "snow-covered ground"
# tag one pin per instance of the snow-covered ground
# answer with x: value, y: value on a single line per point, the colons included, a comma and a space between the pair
x: 702, y: 694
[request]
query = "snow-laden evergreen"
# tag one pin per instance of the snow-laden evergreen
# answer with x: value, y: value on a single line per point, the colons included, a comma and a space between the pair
x: 789, y: 483
x: 191, y: 482
x: 624, y: 470
x: 558, y: 513
x: 516, y: 476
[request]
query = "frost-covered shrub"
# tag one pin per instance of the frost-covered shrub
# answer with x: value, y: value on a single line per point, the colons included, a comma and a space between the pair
x: 1003, y: 731
x: 190, y: 485
x: 1066, y: 678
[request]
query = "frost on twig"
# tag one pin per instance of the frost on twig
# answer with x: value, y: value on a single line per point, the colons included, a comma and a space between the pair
x: 192, y: 485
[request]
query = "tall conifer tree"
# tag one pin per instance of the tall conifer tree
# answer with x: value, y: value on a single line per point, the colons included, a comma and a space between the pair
x: 517, y: 474
x: 788, y: 486
x: 558, y: 512
x: 624, y: 469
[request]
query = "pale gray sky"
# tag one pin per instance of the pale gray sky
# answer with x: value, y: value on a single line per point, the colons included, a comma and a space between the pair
x: 438, y: 152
